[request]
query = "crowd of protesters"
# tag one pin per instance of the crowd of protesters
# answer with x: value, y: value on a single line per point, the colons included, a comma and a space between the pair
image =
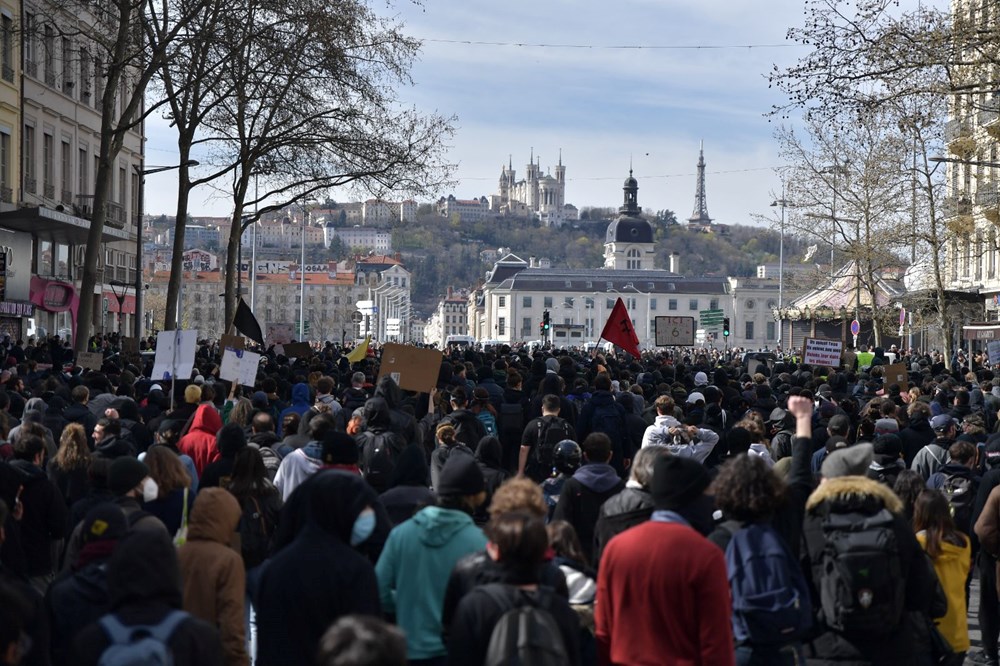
x: 533, y: 507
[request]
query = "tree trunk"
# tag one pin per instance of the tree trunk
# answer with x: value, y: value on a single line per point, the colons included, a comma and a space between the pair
x: 232, y: 251
x: 180, y: 223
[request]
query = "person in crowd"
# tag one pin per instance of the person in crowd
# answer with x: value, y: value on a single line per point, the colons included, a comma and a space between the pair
x: 199, y: 442
x: 845, y: 498
x: 378, y: 444
x: 357, y: 640
x: 414, y: 566
x: 662, y: 589
x: 299, y: 594
x: 110, y: 441
x: 566, y: 459
x: 590, y: 486
x: 489, y: 458
x: 633, y: 505
x: 918, y: 432
x: 934, y: 455
x: 80, y: 594
x: 908, y: 486
x: 951, y: 552
x: 448, y: 445
x: 468, y: 428
x: 604, y: 415
x: 144, y: 585
x: 174, y: 497
x: 214, y: 580
x: 518, y: 542
x: 408, y: 488
x: 581, y: 582
x: 167, y: 436
x: 230, y: 440
x: 681, y: 440
x: 77, y: 412
x: 540, y: 437
x: 68, y: 468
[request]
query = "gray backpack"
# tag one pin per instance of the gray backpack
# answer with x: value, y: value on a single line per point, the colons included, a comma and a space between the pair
x: 139, y: 645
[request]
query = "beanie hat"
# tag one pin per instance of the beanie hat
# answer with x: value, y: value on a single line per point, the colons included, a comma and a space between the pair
x: 677, y: 482
x: 339, y: 448
x: 852, y: 461
x: 230, y: 439
x: 884, y: 426
x: 192, y: 394
x: 259, y: 400
x: 125, y: 474
x: 460, y: 476
x: 104, y: 521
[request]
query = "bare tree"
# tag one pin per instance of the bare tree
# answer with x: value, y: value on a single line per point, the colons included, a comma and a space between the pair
x: 314, y: 106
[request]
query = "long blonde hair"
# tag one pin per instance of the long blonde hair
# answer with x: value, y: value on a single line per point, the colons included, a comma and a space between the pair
x: 73, y: 452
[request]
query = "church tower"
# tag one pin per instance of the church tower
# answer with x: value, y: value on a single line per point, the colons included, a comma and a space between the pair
x: 700, y: 216
x: 628, y: 242
x: 561, y: 179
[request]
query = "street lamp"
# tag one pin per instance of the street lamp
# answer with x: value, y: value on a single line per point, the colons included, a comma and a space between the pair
x: 783, y: 203
x: 118, y: 288
x: 142, y: 173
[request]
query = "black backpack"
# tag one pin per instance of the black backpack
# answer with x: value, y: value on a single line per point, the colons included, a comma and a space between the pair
x: 526, y: 634
x: 551, y: 431
x: 510, y: 421
x: 609, y: 420
x: 960, y: 492
x: 256, y: 530
x: 861, y: 587
x: 378, y: 459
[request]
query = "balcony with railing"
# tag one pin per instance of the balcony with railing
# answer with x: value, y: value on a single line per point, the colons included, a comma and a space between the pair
x: 66, y: 197
x: 6, y: 194
x: 7, y: 72
x: 49, y: 191
x: 959, y: 137
x: 957, y: 212
x: 114, y: 213
x: 30, y: 185
x: 988, y: 201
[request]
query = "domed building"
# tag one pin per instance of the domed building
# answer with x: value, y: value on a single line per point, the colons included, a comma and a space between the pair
x: 628, y: 242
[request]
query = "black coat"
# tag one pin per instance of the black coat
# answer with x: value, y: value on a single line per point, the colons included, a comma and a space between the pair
x: 44, y: 519
x: 144, y: 584
x: 299, y: 595
x: 72, y: 602
x: 915, y: 437
x: 630, y: 507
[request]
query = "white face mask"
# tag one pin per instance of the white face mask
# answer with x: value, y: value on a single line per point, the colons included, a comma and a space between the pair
x: 150, y: 491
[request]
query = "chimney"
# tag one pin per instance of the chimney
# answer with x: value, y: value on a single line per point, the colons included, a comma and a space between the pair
x: 531, y: 262
x: 449, y: 293
x: 675, y: 262
x: 398, y: 257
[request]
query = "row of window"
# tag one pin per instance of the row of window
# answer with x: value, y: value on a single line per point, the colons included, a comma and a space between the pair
x: 527, y: 327
x: 630, y: 303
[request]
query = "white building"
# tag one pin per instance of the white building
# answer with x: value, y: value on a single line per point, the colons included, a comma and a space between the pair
x: 468, y: 210
x: 537, y: 194
x: 363, y: 238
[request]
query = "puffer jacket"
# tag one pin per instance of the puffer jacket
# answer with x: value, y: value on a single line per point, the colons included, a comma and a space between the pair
x: 199, y: 443
x: 862, y: 496
x: 212, y: 573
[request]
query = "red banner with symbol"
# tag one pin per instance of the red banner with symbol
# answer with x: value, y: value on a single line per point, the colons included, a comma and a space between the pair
x: 620, y: 330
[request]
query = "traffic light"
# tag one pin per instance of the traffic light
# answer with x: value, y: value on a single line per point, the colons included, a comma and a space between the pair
x: 725, y: 327
x: 546, y: 321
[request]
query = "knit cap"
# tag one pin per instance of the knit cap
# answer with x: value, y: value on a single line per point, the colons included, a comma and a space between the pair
x: 460, y: 476
x: 125, y: 474
x: 677, y: 482
x: 852, y: 461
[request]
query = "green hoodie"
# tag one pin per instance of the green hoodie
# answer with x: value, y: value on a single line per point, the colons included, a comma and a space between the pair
x: 413, y: 573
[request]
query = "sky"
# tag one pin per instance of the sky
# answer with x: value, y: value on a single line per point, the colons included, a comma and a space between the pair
x: 603, y: 108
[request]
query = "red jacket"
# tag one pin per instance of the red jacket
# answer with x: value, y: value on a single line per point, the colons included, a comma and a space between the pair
x: 199, y: 443
x: 663, y: 599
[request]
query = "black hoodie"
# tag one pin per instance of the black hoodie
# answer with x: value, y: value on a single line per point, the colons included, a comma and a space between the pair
x: 408, y: 492
x: 489, y: 459
x: 44, y: 519
x: 144, y: 583
x: 299, y: 595
x: 402, y: 423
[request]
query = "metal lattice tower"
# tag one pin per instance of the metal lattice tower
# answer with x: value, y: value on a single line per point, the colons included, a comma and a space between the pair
x: 700, y: 215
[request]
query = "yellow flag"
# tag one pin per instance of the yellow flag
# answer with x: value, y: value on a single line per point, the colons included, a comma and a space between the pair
x: 358, y: 353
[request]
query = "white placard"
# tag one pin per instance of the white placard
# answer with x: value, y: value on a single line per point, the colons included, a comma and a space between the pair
x: 675, y: 331
x: 174, y: 354
x: 239, y: 366
x: 819, y: 351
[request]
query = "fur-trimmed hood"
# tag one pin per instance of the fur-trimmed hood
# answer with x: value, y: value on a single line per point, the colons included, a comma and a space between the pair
x: 854, y: 491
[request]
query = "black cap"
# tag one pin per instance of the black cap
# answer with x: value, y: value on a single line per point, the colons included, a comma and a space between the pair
x: 460, y: 476
x: 125, y: 474
x: 677, y: 482
x: 103, y: 522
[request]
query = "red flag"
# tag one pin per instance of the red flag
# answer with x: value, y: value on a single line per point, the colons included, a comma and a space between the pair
x: 620, y: 330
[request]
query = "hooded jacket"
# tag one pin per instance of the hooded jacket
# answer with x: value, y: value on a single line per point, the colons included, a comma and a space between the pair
x: 300, y: 404
x: 952, y: 567
x: 199, y: 443
x: 378, y: 433
x: 73, y: 600
x: 318, y: 577
x: 699, y: 449
x: 408, y: 490
x: 863, y: 496
x: 78, y: 413
x: 144, y: 586
x: 115, y: 446
x: 413, y: 573
x: 212, y: 573
x: 296, y: 467
x: 581, y: 499
x: 44, y: 519
x: 914, y: 437
x: 489, y: 459
x: 401, y: 422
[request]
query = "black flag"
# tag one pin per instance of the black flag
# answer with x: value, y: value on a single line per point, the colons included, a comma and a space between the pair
x: 247, y: 324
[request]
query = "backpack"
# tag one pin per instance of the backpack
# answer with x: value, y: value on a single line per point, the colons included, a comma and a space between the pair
x: 526, y: 634
x: 139, y: 645
x: 551, y: 431
x: 256, y: 529
x: 272, y: 461
x: 378, y: 459
x: 607, y: 419
x: 488, y: 422
x: 510, y: 421
x: 862, y: 588
x: 771, y: 602
x: 960, y: 492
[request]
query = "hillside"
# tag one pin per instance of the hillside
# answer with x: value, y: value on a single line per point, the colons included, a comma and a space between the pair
x: 445, y: 252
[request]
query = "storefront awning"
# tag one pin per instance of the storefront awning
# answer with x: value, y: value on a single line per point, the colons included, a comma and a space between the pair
x: 56, y: 226
x: 981, y: 332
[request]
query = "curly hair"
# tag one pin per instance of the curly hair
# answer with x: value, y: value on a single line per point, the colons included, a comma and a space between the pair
x: 746, y: 489
x: 73, y: 452
x: 519, y: 494
x: 753, y: 424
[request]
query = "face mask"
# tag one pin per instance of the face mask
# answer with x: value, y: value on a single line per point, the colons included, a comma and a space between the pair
x: 364, y: 525
x: 150, y: 491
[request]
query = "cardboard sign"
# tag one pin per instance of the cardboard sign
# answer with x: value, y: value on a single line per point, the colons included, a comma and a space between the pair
x: 896, y: 374
x: 279, y: 334
x: 174, y: 354
x: 239, y: 366
x: 820, y: 351
x: 130, y: 351
x: 90, y: 360
x: 298, y: 350
x: 232, y: 342
x: 413, y: 368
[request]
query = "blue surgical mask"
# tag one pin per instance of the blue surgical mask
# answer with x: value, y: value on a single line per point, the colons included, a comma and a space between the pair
x: 364, y: 525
